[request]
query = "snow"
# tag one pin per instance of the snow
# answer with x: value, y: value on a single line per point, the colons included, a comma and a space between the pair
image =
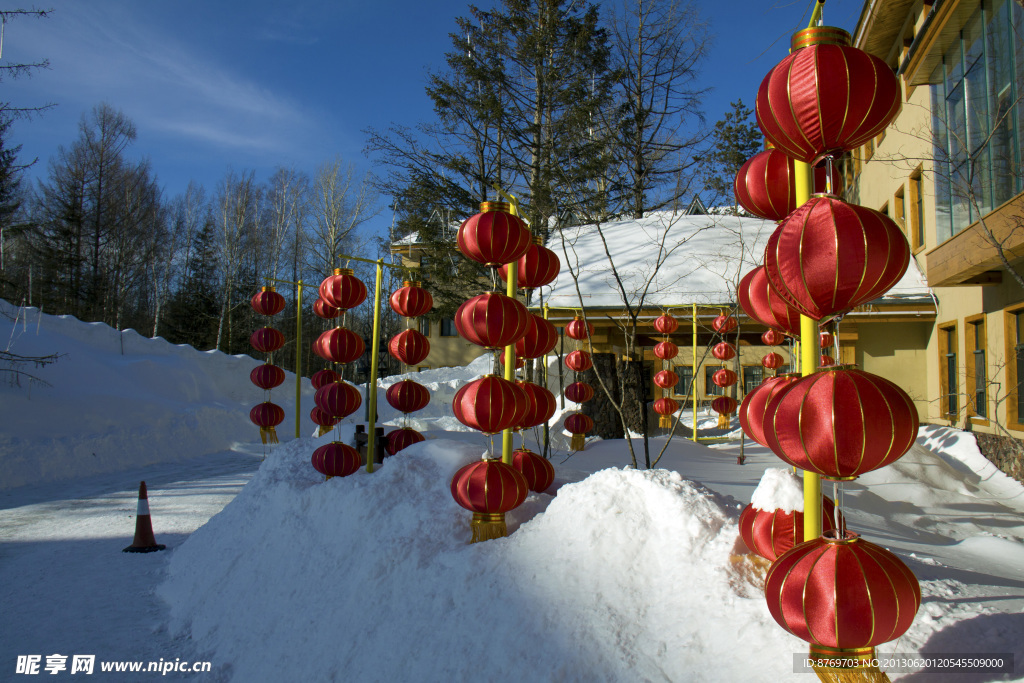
x: 779, y: 489
x: 617, y: 574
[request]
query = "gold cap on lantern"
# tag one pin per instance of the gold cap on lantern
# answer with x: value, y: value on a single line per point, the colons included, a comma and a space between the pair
x: 408, y: 283
x: 538, y: 240
x: 268, y: 288
x: 819, y: 35
x: 344, y: 271
x: 495, y: 206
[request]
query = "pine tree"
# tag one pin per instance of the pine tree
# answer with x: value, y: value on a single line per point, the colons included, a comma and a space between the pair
x: 735, y: 139
x: 193, y: 311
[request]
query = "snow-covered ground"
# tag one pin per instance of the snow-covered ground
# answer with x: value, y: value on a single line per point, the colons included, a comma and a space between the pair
x: 624, y: 575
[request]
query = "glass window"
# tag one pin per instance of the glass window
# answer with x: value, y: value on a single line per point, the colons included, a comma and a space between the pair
x: 900, y: 209
x: 685, y: 374
x: 425, y: 327
x: 980, y: 374
x: 952, y: 405
x: 917, y: 217
x: 710, y: 388
x: 753, y: 375
x: 1019, y: 358
x: 448, y: 328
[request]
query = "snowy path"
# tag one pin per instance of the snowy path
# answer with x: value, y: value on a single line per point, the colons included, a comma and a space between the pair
x: 65, y: 585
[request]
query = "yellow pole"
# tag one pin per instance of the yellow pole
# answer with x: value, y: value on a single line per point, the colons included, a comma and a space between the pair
x: 544, y: 360
x: 510, y: 350
x: 298, y: 360
x: 371, y: 386
x: 693, y: 370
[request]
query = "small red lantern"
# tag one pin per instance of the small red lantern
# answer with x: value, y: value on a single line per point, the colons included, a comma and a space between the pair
x: 579, y: 329
x: 666, y: 350
x: 336, y: 459
x: 539, y: 266
x: 267, y: 416
x: 489, y: 489
x: 841, y: 593
x: 724, y: 405
x: 267, y: 376
x: 666, y: 324
x: 324, y: 310
x: 826, y: 361
x: 409, y: 346
x: 579, y: 392
x: 266, y: 340
x: 578, y: 425
x: 772, y: 361
x: 825, y: 340
x: 411, y: 300
x: 666, y: 379
x: 724, y: 324
x: 765, y: 184
x: 400, y: 439
x: 322, y: 419
x: 490, y: 404
x: 772, y: 338
x: 494, y: 236
x: 267, y: 302
x: 539, y: 339
x: 829, y: 256
x: 770, y: 533
x: 753, y: 410
x: 538, y: 471
x: 492, y: 320
x: 408, y: 396
x: 343, y: 290
x: 724, y: 377
x: 520, y: 362
x: 339, y: 399
x: 322, y: 377
x: 579, y: 361
x: 723, y: 351
x: 540, y: 405
x: 759, y: 301
x: 339, y: 345
x: 841, y: 423
x: 665, y: 406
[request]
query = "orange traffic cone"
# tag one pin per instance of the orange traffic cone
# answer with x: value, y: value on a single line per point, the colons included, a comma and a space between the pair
x: 145, y: 541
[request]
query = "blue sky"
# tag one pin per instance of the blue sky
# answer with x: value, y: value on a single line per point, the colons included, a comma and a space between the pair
x: 259, y: 84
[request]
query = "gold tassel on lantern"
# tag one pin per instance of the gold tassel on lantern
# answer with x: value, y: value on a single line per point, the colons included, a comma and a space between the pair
x: 723, y: 421
x: 665, y: 421
x: 577, y: 442
x: 268, y: 435
x: 488, y: 526
x: 868, y: 673
x: 323, y: 430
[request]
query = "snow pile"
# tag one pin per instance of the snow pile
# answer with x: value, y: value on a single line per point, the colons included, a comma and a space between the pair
x: 622, y: 576
x: 780, y: 489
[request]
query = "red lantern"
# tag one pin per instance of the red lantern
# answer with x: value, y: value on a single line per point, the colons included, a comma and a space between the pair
x: 826, y: 97
x: 666, y: 350
x: 841, y: 423
x: 826, y: 361
x: 336, y: 459
x: 490, y: 404
x: 723, y: 351
x: 267, y: 340
x: 770, y: 533
x: 825, y: 340
x: 724, y: 377
x: 322, y: 377
x: 489, y: 489
x: 324, y: 310
x: 539, y: 339
x: 411, y: 300
x: 407, y: 396
x: 339, y: 399
x: 322, y: 418
x: 753, y: 410
x: 665, y: 406
x: 494, y: 236
x: 772, y: 361
x: 724, y: 324
x: 538, y: 471
x: 579, y: 361
x: 724, y: 405
x: 579, y: 329
x: 772, y: 338
x: 339, y: 345
x: 539, y: 266
x: 666, y: 379
x: 666, y: 324
x: 842, y: 593
x: 578, y: 424
x: 400, y: 439
x: 761, y: 303
x: 267, y: 376
x: 267, y: 302
x: 409, y: 346
x: 765, y: 184
x: 579, y: 392
x: 520, y: 362
x: 540, y: 405
x: 829, y: 256
x: 267, y: 416
x: 343, y: 290
x: 492, y: 320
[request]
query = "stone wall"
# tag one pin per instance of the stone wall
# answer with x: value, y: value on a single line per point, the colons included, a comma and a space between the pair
x: 1005, y: 452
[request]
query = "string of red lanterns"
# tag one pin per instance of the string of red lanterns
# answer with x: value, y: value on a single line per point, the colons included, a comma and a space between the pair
x: 579, y: 361
x: 411, y: 347
x: 267, y: 415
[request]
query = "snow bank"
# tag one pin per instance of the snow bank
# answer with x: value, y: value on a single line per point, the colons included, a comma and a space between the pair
x: 780, y: 489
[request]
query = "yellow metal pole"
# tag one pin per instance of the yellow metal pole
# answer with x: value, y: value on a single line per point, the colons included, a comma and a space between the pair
x: 371, y: 386
x: 544, y: 361
x: 510, y: 350
x: 298, y: 360
x: 693, y: 370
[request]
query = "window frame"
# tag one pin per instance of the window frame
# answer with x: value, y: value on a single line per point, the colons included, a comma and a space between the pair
x: 975, y: 326
x: 1010, y: 332
x: 918, y: 214
x: 944, y: 389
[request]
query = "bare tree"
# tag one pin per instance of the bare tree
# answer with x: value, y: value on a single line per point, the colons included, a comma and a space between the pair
x: 339, y: 203
x: 236, y: 213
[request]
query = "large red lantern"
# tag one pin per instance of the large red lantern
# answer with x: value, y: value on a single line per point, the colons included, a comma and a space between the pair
x: 266, y: 340
x: 490, y: 404
x: 842, y: 594
x: 666, y: 324
x: 724, y: 377
x: 666, y: 350
x: 772, y: 338
x: 753, y: 410
x: 540, y: 405
x: 772, y: 361
x: 765, y: 184
x: 400, y: 439
x: 539, y: 339
x: 339, y: 399
x: 724, y: 324
x: 666, y: 379
x: 409, y: 346
x: 770, y: 533
x: 407, y: 396
x: 267, y: 302
x: 322, y: 377
x: 579, y: 329
x: 267, y: 376
x: 343, y: 290
x: 324, y: 310
x: 494, y: 236
x: 579, y: 361
x: 336, y: 459
x: 759, y: 301
x: 579, y: 392
x: 723, y: 351
x: 724, y: 405
x: 339, y: 345
x: 267, y: 416
x: 538, y: 471
x: 492, y: 320
x: 489, y: 489
x: 539, y: 266
x: 411, y: 300
x: 826, y: 96
x: 841, y: 422
x: 829, y: 256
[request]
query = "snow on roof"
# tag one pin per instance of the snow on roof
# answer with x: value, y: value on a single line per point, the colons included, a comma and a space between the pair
x: 701, y: 258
